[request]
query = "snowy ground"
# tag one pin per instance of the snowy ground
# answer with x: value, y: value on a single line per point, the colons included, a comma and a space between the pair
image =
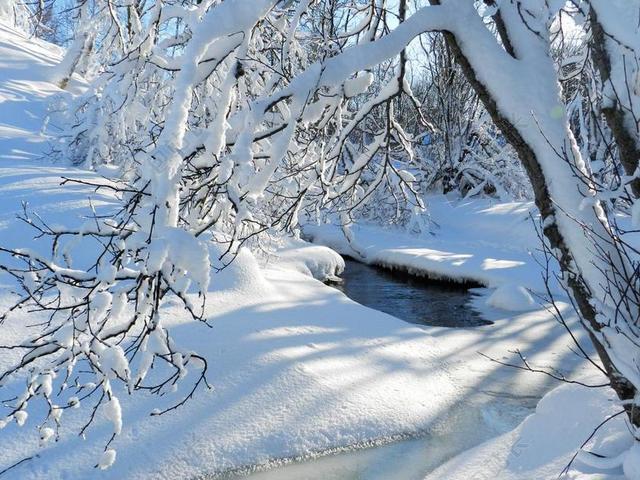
x: 480, y: 240
x: 297, y: 368
x: 542, y: 446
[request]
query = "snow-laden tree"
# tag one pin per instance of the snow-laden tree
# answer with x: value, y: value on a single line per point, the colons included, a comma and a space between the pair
x: 77, y: 56
x: 463, y: 150
x: 45, y: 19
x: 102, y: 32
x: 16, y: 13
x: 616, y: 52
x: 223, y: 119
x: 596, y: 270
x: 219, y: 127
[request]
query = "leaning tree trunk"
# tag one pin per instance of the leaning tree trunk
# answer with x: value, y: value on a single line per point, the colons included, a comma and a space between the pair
x: 548, y: 211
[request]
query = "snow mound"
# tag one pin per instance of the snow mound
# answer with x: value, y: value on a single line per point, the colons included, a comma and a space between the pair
x: 542, y: 446
x: 317, y: 261
x: 242, y: 274
x: 513, y: 298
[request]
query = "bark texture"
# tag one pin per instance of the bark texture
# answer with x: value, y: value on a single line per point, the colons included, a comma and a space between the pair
x: 625, y: 139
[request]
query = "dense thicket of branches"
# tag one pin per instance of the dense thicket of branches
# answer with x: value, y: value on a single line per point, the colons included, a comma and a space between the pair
x: 221, y: 121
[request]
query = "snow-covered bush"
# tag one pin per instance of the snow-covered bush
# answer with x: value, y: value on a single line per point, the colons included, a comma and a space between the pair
x: 463, y: 150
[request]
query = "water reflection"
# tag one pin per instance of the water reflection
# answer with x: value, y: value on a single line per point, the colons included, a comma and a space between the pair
x: 410, y: 298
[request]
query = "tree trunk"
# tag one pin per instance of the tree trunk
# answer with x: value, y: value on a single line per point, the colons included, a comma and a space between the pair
x: 543, y: 200
x: 615, y: 116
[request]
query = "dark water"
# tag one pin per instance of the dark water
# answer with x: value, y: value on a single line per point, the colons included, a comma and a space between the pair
x: 410, y: 298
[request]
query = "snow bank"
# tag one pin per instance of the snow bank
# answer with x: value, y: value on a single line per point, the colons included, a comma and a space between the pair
x: 243, y: 274
x: 479, y: 242
x: 543, y: 445
x: 317, y: 261
x: 298, y: 369
x: 511, y: 297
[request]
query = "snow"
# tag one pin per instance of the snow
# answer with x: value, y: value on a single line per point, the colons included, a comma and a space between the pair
x: 113, y: 362
x: 317, y: 261
x: 46, y: 384
x: 113, y: 413
x: 618, y: 20
x: 301, y: 369
x: 297, y: 368
x: 635, y: 214
x: 242, y: 275
x: 511, y: 297
x: 24, y: 92
x: 544, y: 444
x: 178, y: 251
x: 357, y: 85
x: 21, y: 417
x: 46, y: 433
x: 107, y: 459
x: 481, y: 241
x: 631, y: 465
x: 16, y: 14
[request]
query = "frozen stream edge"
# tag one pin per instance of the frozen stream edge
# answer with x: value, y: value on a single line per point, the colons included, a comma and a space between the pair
x: 416, y: 454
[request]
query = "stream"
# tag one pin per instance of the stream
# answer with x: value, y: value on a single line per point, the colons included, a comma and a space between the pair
x: 409, y: 298
x: 419, y: 301
x: 465, y: 427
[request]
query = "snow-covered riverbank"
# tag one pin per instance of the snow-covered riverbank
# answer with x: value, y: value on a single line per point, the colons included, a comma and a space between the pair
x: 496, y: 244
x: 297, y: 368
x: 479, y: 241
